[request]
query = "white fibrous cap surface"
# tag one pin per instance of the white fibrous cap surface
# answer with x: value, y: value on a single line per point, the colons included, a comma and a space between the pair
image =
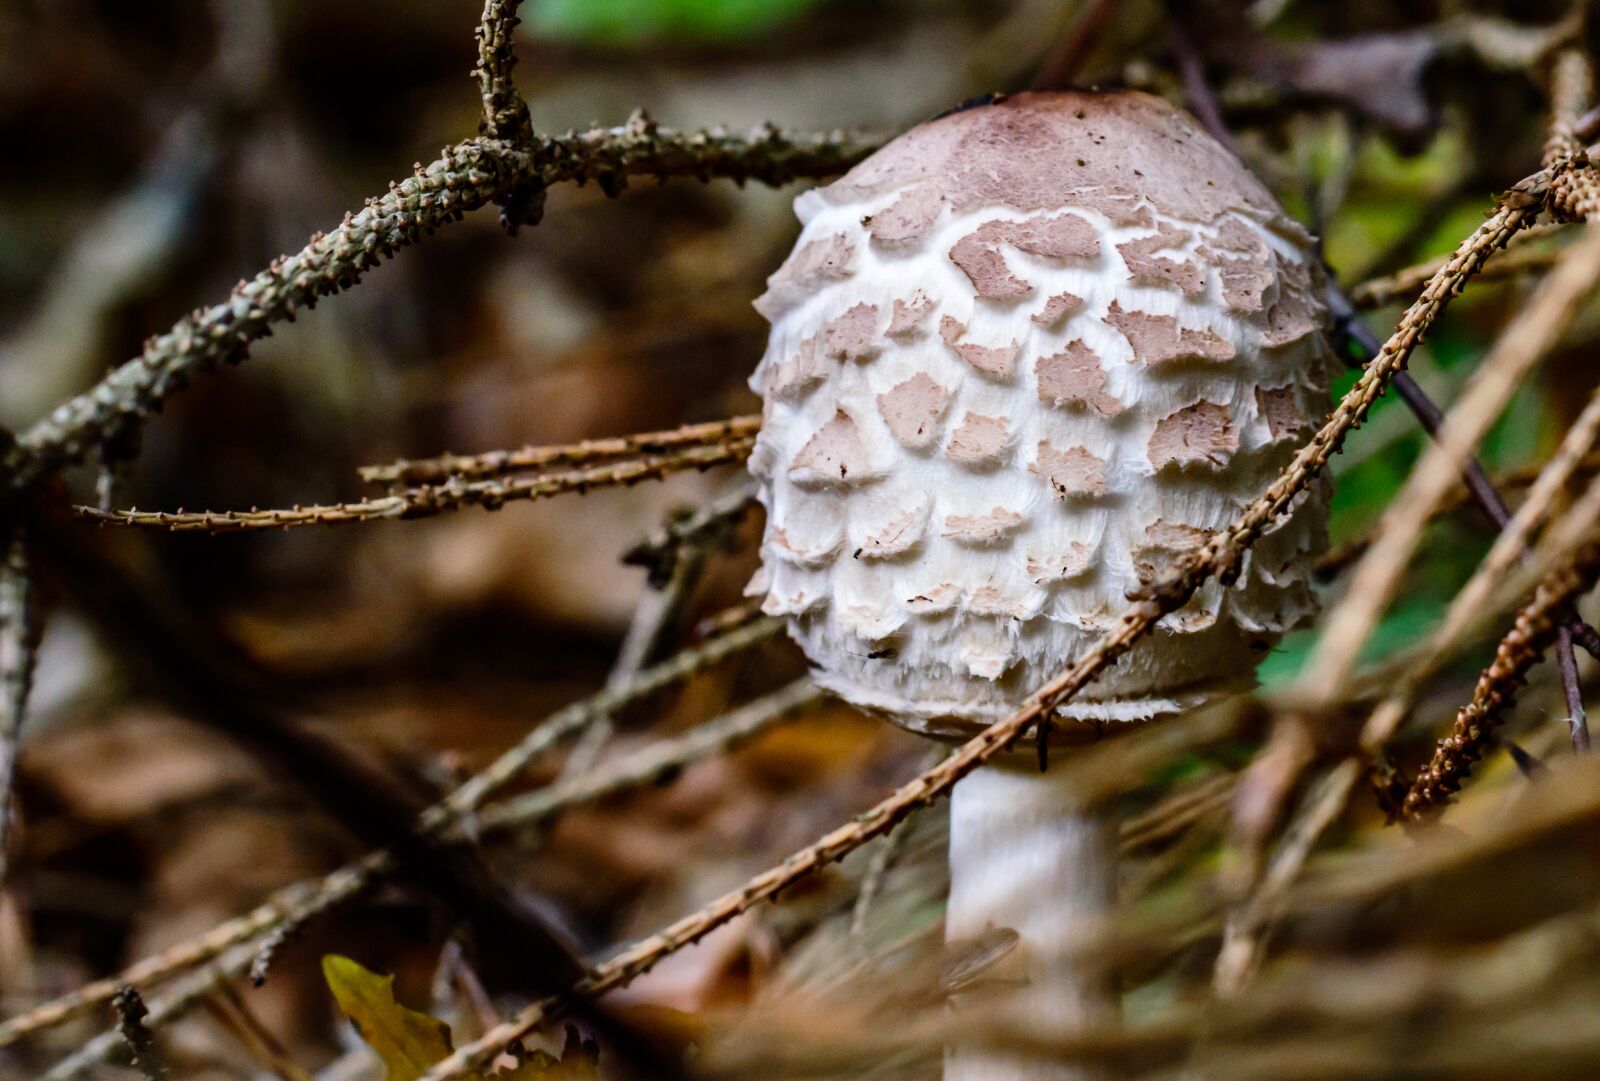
x: 1022, y: 358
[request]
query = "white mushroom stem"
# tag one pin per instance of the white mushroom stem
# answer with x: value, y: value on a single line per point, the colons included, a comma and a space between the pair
x: 1026, y: 854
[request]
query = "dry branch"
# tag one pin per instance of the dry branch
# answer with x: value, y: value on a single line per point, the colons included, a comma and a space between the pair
x: 20, y: 629
x: 653, y: 764
x: 1339, y: 559
x: 1534, y: 630
x: 500, y: 462
x: 431, y: 499
x: 1402, y: 284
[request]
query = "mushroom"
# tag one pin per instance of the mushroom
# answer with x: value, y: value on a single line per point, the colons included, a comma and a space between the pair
x: 1022, y: 358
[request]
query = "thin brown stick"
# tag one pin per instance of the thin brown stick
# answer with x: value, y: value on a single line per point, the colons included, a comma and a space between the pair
x: 500, y: 462
x: 428, y: 500
x: 1396, y: 287
x: 235, y: 1015
x: 1533, y: 632
x: 652, y: 764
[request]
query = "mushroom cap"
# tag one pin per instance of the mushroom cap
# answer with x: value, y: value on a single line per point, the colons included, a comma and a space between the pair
x: 1036, y: 151
x: 1022, y: 358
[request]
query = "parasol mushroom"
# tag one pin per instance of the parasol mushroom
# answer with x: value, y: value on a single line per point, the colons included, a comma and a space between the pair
x: 1022, y: 358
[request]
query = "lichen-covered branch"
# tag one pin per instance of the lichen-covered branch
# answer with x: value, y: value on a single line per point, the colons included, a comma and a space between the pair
x: 466, y: 177
x: 20, y: 629
x: 430, y: 499
x: 505, y: 114
x: 500, y: 462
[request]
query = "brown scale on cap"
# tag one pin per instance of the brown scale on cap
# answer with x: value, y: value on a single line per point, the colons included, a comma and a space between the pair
x: 909, y: 315
x: 1148, y: 267
x: 1202, y: 432
x: 1281, y: 408
x: 853, y: 335
x: 978, y: 254
x: 834, y: 456
x: 998, y: 361
x: 1073, y: 471
x: 979, y: 440
x: 1057, y: 308
x: 1075, y: 376
x: 1157, y: 339
x: 913, y: 409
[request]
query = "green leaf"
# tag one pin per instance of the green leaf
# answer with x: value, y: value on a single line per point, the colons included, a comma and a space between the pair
x: 408, y: 1042
x: 634, y: 22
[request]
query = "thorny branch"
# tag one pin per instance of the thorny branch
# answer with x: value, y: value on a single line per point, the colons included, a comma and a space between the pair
x: 430, y: 499
x: 141, y: 1042
x: 500, y: 462
x: 505, y: 114
x: 1535, y: 629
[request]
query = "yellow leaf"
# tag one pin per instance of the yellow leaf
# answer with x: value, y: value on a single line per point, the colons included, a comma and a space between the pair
x: 408, y: 1042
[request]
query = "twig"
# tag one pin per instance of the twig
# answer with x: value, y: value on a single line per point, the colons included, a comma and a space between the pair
x: 131, y: 1014
x: 655, y: 763
x: 500, y: 462
x: 1176, y: 813
x: 1572, y: 691
x: 466, y: 177
x: 505, y: 114
x: 1244, y: 935
x: 20, y: 630
x: 236, y: 1016
x: 658, y: 552
x: 428, y: 500
x: 1535, y: 629
x: 1391, y: 288
x: 1513, y: 541
x: 1339, y: 559
x: 299, y: 901
x: 1060, y: 69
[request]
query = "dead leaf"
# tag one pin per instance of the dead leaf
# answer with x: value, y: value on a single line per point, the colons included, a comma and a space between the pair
x: 408, y: 1042
x: 579, y: 1061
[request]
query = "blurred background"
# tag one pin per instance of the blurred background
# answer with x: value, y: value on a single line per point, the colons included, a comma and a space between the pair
x: 161, y: 151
